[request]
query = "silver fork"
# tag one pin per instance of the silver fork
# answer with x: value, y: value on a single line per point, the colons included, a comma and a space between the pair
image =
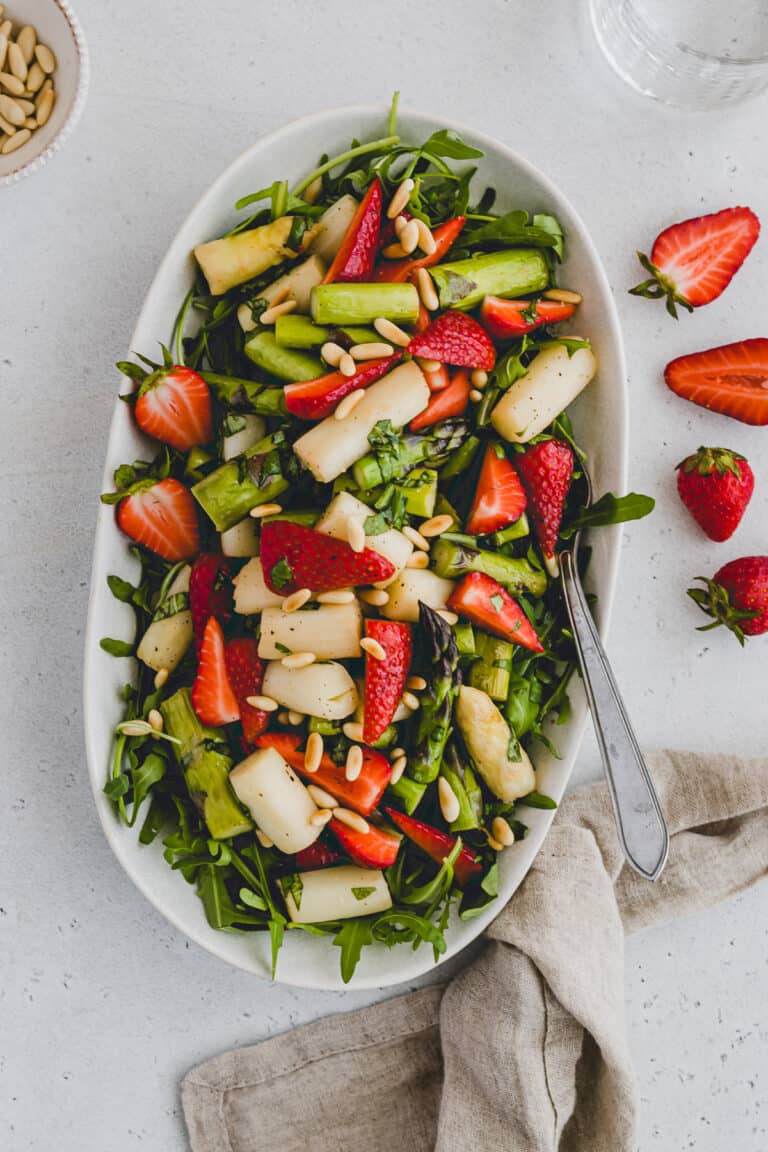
x: 640, y: 821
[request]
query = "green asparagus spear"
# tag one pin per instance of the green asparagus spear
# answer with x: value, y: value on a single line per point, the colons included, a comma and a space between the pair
x: 465, y: 637
x: 248, y: 395
x: 256, y: 477
x: 452, y: 560
x: 437, y: 701
x: 514, y: 532
x: 461, y: 777
x: 285, y: 363
x: 403, y: 453
x: 344, y: 304
x: 490, y: 673
x: 408, y: 792
x: 294, y: 331
x: 515, y: 272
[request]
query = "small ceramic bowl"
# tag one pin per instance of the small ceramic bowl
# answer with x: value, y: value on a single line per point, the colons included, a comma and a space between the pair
x: 57, y: 27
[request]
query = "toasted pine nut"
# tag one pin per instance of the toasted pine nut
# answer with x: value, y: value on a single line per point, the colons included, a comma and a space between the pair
x: 332, y: 353
x: 3, y: 45
x: 354, y: 763
x: 415, y: 537
x: 336, y: 596
x: 26, y: 106
x: 394, y: 252
x: 348, y: 404
x: 280, y: 294
x: 416, y: 683
x: 400, y: 199
x: 449, y: 617
x: 11, y: 143
x: 263, y: 839
x: 35, y: 77
x: 396, y: 753
x: 426, y: 288
x: 347, y: 366
x: 313, y: 753
x: 155, y: 719
x: 298, y: 660
x: 9, y: 129
x: 320, y: 818
x: 45, y: 106
x: 355, y: 534
x: 313, y: 190
x: 436, y: 525
x: 391, y: 332
x: 479, y: 378
x: 376, y: 597
x: 295, y: 718
x: 426, y: 239
x: 30, y: 122
x: 12, y: 83
x: 283, y: 717
x: 400, y: 223
x: 409, y: 237
x: 45, y: 58
x: 276, y: 310
x: 352, y: 820
x: 373, y: 648
x: 16, y: 62
x: 495, y: 844
x: 265, y: 510
x: 322, y: 798
x: 411, y: 702
x: 371, y: 351
x: 134, y: 728
x: 26, y: 40
x: 263, y: 703
x: 428, y: 365
x: 449, y: 804
x: 398, y: 767
x: 10, y: 110
x: 297, y: 600
x: 502, y: 832
x: 475, y: 395
x: 352, y: 730
x: 6, y: 28
x: 563, y: 296
x: 417, y: 560
x: 161, y: 676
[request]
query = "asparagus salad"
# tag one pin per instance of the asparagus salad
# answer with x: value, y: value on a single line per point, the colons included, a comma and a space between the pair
x: 349, y: 632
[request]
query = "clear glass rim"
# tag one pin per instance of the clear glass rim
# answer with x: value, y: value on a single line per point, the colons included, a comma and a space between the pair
x: 732, y: 63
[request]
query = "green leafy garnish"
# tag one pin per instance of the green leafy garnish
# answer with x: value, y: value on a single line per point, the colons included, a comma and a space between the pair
x: 281, y: 574
x: 361, y: 893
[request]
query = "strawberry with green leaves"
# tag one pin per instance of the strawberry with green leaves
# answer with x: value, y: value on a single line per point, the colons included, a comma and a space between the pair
x: 736, y: 597
x: 716, y: 485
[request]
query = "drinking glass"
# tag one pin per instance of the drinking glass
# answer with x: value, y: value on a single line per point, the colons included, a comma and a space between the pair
x: 694, y: 54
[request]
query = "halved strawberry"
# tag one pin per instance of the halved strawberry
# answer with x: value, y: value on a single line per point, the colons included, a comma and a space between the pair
x: 316, y: 399
x: 398, y: 271
x: 375, y: 848
x: 545, y: 469
x: 455, y: 338
x: 499, y: 497
x: 161, y: 516
x: 317, y: 855
x: 385, y: 679
x: 450, y: 401
x: 694, y: 261
x: 437, y: 845
x: 357, y: 253
x: 506, y: 318
x: 731, y: 379
x: 210, y: 592
x: 362, y: 794
x: 174, y: 405
x: 486, y: 603
x: 245, y: 672
x: 294, y: 557
x: 213, y: 700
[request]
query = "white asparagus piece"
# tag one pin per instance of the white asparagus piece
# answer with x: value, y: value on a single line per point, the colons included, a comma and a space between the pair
x: 324, y: 690
x: 412, y: 585
x: 294, y: 285
x: 165, y: 641
x: 332, y: 227
x: 251, y: 592
x: 336, y: 894
x: 552, y: 382
x: 331, y: 631
x: 277, y: 800
x: 242, y: 539
x: 236, y: 443
x: 487, y: 737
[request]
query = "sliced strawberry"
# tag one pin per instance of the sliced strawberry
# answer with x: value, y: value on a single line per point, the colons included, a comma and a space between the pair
x: 357, y: 254
x: 694, y: 261
x: 545, y: 469
x: 398, y: 271
x: 731, y: 379
x: 174, y: 405
x: 294, y: 557
x: 316, y: 399
x: 450, y: 401
x: 375, y: 848
x: 455, y: 338
x: 210, y: 592
x: 486, y: 603
x: 499, y: 497
x: 245, y: 672
x: 506, y: 318
x: 385, y: 679
x: 362, y: 794
x: 437, y: 845
x: 162, y: 518
x: 213, y: 700
x: 317, y: 855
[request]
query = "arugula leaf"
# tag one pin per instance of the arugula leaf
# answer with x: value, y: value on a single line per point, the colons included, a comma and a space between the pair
x: 121, y: 589
x: 352, y: 937
x: 449, y: 143
x: 611, y: 509
x: 375, y: 525
x: 538, y: 800
x: 360, y: 893
x: 513, y: 228
x: 551, y: 224
x: 293, y: 885
x: 399, y: 925
x: 116, y: 647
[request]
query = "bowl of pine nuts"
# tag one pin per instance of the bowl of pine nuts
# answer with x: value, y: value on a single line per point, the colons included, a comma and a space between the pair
x: 43, y: 82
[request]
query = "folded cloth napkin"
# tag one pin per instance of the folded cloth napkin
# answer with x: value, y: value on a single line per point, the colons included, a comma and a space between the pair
x: 525, y: 1049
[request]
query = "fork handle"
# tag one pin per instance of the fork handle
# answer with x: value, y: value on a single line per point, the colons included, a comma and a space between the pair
x: 640, y: 822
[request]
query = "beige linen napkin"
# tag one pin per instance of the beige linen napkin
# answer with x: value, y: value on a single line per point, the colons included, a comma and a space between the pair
x: 526, y: 1048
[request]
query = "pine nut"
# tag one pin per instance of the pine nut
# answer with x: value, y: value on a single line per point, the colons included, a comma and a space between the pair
x: 336, y: 596
x: 295, y: 718
x: 427, y: 365
x: 563, y: 296
x: 265, y: 510
x: 297, y: 600
x: 355, y: 534
x: 263, y: 703
x: 416, y: 684
x: 10, y: 110
x: 11, y: 143
x: 263, y: 839
x: 313, y: 753
x: 283, y: 717
x: 9, y: 129
x: 3, y: 48
x: 279, y: 295
x: 322, y: 798
x: 352, y: 730
x: 16, y: 62
x: 397, y: 754
x: 26, y: 40
x: 393, y: 252
x: 415, y: 537
x: 45, y: 106
x: 298, y: 660
x: 12, y: 83
x: 475, y: 395
x: 27, y: 107
x: 449, y: 617
x: 347, y: 366
x: 401, y: 197
x: 411, y: 702
x: 320, y: 818
x: 313, y: 190
x: 479, y: 378
x: 6, y: 28
x: 436, y: 525
x: 502, y: 832
x: 400, y: 223
x: 426, y: 239
x: 495, y: 844
x: 409, y: 237
x: 35, y: 77
x: 271, y: 314
x: 389, y: 331
x: 155, y: 719
x: 352, y: 820
x: 45, y: 58
x: 426, y: 288
x: 30, y: 123
x: 348, y: 404
x: 354, y: 764
x: 161, y: 676
x: 398, y: 767
x: 134, y: 728
x: 376, y: 597
x: 449, y: 804
x: 373, y: 648
x: 372, y: 351
x: 332, y: 353
x: 46, y: 86
x: 417, y: 560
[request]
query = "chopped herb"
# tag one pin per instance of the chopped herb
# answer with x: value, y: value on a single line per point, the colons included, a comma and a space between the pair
x: 293, y: 886
x: 281, y: 574
x: 362, y: 893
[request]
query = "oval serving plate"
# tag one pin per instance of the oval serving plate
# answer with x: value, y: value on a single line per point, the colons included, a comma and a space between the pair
x: 600, y: 421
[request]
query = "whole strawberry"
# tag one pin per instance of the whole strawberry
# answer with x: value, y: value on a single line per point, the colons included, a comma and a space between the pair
x: 715, y: 484
x: 736, y: 596
x: 545, y: 469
